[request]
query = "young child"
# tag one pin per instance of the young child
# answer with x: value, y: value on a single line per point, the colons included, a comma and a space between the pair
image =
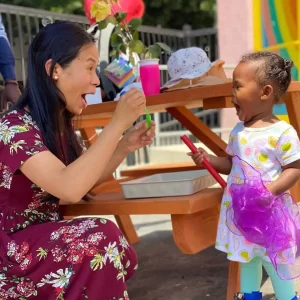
x: 267, y: 144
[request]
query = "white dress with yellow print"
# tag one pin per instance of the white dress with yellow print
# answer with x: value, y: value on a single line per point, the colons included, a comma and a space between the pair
x: 267, y: 149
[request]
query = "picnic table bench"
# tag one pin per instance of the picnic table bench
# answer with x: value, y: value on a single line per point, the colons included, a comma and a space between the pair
x: 195, y: 217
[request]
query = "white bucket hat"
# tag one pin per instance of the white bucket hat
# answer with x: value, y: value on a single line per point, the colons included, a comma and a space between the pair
x: 187, y: 63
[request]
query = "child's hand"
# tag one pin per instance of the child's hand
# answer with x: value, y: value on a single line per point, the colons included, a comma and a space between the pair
x: 198, y: 157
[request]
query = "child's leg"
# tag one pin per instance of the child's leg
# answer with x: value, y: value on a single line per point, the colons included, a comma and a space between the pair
x: 284, y: 289
x: 251, y: 276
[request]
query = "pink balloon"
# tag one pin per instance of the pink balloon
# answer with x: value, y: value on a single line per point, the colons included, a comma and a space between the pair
x: 134, y: 9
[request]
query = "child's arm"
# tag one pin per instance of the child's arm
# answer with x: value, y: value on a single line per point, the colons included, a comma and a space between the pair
x: 288, y: 154
x: 287, y: 179
x: 221, y: 164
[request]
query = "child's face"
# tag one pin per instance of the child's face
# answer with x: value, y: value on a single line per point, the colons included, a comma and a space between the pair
x: 247, y: 95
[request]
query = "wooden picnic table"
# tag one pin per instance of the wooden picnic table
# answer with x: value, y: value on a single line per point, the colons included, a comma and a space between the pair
x: 195, y: 217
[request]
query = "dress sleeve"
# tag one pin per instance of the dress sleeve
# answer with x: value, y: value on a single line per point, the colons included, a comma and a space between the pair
x: 288, y: 147
x: 229, y: 148
x: 19, y: 141
x: 233, y: 138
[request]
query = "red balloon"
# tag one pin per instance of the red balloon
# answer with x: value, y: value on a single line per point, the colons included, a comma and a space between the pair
x: 134, y: 9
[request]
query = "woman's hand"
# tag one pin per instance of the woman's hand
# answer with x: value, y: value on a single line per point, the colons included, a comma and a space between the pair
x: 138, y: 137
x: 130, y: 106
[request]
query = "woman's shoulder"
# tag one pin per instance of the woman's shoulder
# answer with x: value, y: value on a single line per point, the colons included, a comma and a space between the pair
x: 17, y: 118
x: 17, y: 125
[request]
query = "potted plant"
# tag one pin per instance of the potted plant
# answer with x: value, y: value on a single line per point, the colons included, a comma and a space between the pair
x: 125, y: 38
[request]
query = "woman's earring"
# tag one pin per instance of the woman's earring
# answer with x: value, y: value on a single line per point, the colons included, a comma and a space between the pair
x: 55, y: 77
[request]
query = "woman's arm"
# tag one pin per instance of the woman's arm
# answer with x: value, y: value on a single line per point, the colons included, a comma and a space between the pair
x: 71, y: 183
x: 116, y: 159
x: 136, y: 138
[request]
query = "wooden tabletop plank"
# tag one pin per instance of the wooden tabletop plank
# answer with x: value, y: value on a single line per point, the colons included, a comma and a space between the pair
x: 161, y: 168
x: 115, y: 204
x: 189, y: 98
x: 157, y: 103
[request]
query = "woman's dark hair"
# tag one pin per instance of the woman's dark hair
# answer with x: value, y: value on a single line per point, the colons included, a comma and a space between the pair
x: 61, y: 42
x: 272, y: 69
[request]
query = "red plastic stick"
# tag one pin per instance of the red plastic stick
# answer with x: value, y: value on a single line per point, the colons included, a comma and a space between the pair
x: 205, y: 163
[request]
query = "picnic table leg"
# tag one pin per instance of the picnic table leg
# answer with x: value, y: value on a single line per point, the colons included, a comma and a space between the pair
x: 199, y: 129
x: 124, y: 222
x: 195, y: 232
x: 292, y: 102
x: 126, y: 226
x: 233, y: 285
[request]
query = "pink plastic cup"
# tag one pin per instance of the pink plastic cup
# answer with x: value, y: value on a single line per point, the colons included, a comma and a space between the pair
x: 150, y: 76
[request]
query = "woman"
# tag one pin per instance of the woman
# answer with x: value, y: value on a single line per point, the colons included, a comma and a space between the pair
x: 42, y: 166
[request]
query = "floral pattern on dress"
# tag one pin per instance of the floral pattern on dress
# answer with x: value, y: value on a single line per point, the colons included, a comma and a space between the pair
x: 45, y: 257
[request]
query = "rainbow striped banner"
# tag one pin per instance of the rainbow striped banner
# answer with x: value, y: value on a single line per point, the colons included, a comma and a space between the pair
x: 277, y: 29
x: 281, y: 112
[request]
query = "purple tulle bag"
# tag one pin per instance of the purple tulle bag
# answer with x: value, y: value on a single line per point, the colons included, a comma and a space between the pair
x: 269, y: 221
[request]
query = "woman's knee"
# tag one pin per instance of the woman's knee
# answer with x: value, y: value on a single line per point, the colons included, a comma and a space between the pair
x: 116, y: 240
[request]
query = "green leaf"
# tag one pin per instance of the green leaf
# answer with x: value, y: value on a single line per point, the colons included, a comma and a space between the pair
x: 154, y: 51
x: 112, y: 52
x: 136, y: 46
x: 115, y: 40
x: 120, y: 16
x: 135, y: 23
x: 131, y: 59
x: 103, y: 221
x: 112, y: 20
x: 164, y: 47
x: 102, y: 24
x: 123, y: 48
x: 135, y: 35
x: 147, y: 55
x: 118, y: 29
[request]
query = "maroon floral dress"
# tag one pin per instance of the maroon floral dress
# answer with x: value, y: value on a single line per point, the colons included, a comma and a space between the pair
x: 41, y: 255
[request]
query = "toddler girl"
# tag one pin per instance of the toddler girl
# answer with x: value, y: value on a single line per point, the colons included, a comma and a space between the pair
x: 272, y: 148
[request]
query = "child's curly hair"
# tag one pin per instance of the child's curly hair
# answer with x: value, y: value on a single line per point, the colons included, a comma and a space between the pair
x: 272, y: 69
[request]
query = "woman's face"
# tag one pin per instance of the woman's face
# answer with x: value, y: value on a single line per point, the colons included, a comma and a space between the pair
x: 78, y: 79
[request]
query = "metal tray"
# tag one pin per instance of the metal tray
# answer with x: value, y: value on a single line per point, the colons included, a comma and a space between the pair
x: 168, y: 184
